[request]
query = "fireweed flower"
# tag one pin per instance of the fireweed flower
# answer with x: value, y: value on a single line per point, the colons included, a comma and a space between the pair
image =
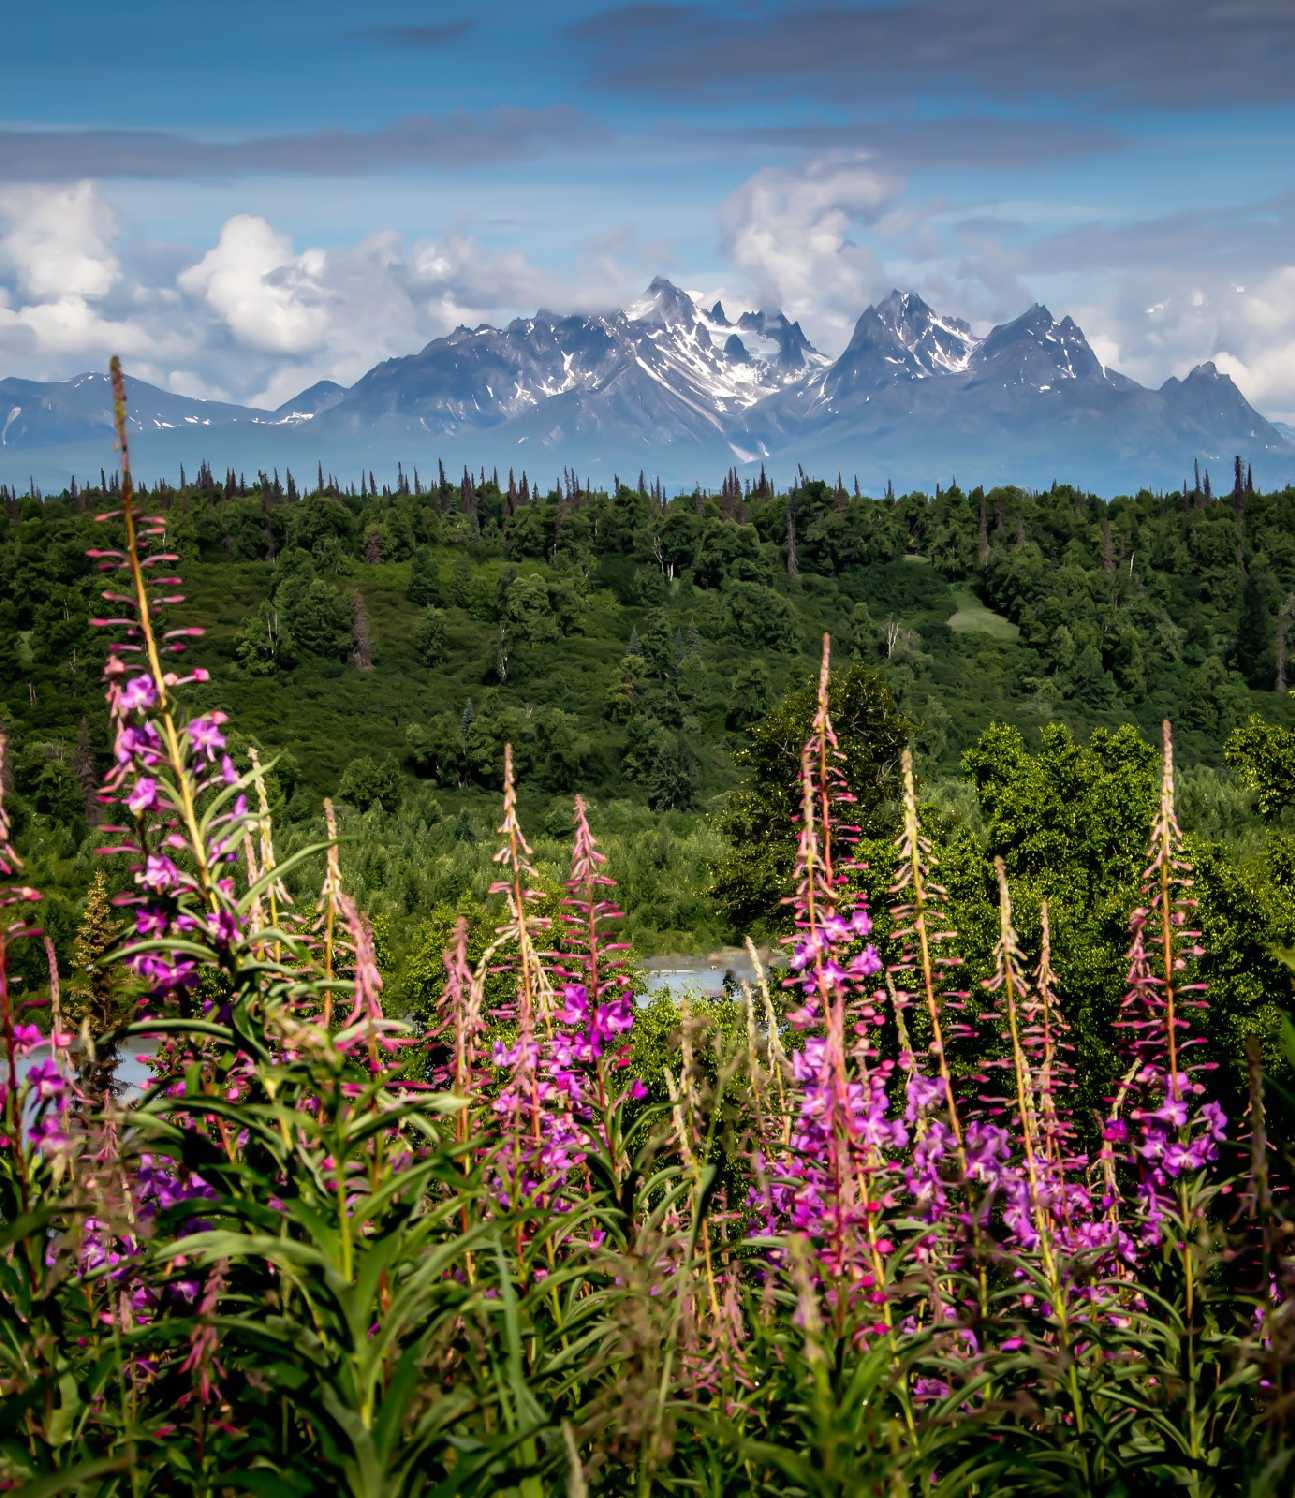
x: 27, y: 1037
x: 143, y: 795
x: 205, y: 735
x: 46, y: 1081
x: 138, y: 694
x: 594, y: 1024
x: 159, y: 873
x: 1175, y: 1136
x: 834, y: 1173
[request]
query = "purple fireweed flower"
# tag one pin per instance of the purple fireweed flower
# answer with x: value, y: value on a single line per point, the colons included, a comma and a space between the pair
x: 988, y: 1150
x: 138, y: 693
x: 1153, y: 1146
x: 205, y: 735
x: 1214, y: 1119
x: 921, y: 1094
x: 1179, y: 1158
x: 25, y: 1037
x: 143, y: 743
x: 162, y: 975
x: 1172, y: 1111
x: 575, y: 1009
x: 866, y: 963
x: 46, y: 1081
x: 923, y: 1174
x: 224, y: 927
x: 158, y: 873
x: 150, y: 921
x: 143, y: 795
x: 48, y: 1134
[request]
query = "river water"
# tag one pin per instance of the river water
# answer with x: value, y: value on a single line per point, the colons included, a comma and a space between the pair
x: 673, y: 974
x: 132, y: 1065
x: 679, y: 975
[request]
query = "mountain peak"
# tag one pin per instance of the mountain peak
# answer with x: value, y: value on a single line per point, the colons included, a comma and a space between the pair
x: 900, y: 339
x: 322, y: 396
x: 1035, y: 349
x: 795, y: 351
x: 667, y: 374
x: 663, y: 302
x: 902, y: 301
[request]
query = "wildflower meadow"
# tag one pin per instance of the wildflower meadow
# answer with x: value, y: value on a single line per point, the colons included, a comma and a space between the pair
x: 863, y: 1242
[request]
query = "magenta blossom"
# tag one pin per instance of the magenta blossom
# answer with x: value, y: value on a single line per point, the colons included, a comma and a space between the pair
x: 205, y: 736
x: 138, y: 694
x: 25, y: 1038
x: 143, y: 796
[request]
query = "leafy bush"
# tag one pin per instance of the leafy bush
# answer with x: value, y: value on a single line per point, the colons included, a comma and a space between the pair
x: 370, y: 781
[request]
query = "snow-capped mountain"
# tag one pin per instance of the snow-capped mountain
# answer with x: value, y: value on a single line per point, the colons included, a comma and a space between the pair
x: 899, y: 339
x: 1034, y: 350
x: 311, y: 402
x: 663, y: 367
x: 681, y: 389
x: 1029, y: 397
x: 38, y: 413
x: 42, y: 413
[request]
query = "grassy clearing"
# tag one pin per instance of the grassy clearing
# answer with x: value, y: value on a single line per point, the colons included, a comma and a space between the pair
x: 972, y: 617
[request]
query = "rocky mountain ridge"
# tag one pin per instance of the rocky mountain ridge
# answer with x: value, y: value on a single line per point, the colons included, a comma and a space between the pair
x: 676, y: 387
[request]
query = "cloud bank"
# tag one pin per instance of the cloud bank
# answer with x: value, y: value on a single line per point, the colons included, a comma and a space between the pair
x: 792, y: 235
x: 254, y: 317
x: 1152, y: 52
x: 448, y: 142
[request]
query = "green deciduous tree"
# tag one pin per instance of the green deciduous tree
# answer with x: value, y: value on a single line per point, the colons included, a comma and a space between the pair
x: 1263, y: 756
x: 372, y: 780
x: 425, y: 579
x: 430, y: 640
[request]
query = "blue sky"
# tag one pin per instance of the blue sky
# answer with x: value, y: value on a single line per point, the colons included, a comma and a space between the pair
x: 247, y: 198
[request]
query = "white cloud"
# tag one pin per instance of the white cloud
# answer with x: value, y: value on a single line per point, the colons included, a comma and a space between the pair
x: 71, y: 325
x: 790, y: 232
x: 57, y: 241
x: 255, y: 317
x: 190, y: 382
x: 268, y: 297
x: 1161, y: 323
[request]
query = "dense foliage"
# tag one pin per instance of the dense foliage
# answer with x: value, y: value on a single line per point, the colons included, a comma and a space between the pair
x: 381, y: 647
x: 883, y: 1223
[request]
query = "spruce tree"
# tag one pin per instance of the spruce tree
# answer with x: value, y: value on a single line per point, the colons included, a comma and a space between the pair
x: 1253, y: 654
x: 84, y: 770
